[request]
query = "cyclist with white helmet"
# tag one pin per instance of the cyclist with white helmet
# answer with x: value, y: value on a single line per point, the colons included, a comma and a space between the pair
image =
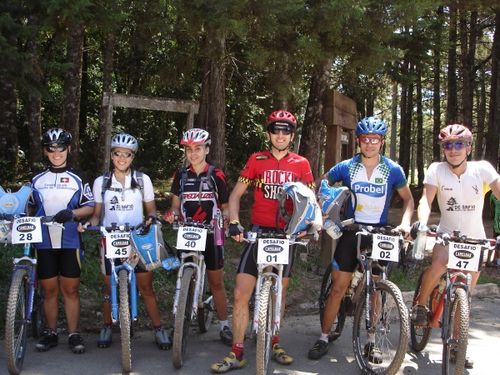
x: 373, y: 178
x: 267, y: 171
x: 198, y: 190
x: 459, y: 186
x: 122, y: 196
x: 61, y: 192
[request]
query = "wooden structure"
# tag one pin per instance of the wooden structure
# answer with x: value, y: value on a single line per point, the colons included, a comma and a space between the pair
x: 340, y: 116
x: 110, y: 101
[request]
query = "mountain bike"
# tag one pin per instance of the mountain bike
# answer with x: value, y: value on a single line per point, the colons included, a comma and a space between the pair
x: 375, y: 303
x: 123, y: 284
x: 25, y: 302
x: 192, y: 299
x: 449, y: 302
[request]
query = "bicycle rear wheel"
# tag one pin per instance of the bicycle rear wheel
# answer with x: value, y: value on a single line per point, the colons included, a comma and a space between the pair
x: 183, y: 318
x: 326, y: 287
x: 455, y: 348
x: 206, y: 308
x: 388, y: 328
x: 265, y: 328
x: 15, y: 321
x: 125, y: 321
x: 420, y: 334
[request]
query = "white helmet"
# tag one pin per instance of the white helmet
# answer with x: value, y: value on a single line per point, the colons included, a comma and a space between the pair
x: 196, y: 136
x: 125, y: 140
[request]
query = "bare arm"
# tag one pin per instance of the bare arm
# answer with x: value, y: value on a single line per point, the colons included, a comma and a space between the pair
x: 425, y: 203
x: 83, y: 212
x: 408, y: 207
x: 234, y: 201
x: 495, y: 188
x: 150, y: 208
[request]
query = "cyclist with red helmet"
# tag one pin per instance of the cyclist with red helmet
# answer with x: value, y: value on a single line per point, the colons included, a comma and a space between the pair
x: 266, y: 171
x: 373, y: 178
x: 459, y: 186
x: 198, y: 190
x: 61, y: 192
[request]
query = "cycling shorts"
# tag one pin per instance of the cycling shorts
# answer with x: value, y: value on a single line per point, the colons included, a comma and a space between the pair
x: 248, y: 260
x: 58, y: 262
x: 213, y: 255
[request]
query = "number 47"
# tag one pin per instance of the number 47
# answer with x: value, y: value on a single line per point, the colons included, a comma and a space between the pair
x: 462, y: 264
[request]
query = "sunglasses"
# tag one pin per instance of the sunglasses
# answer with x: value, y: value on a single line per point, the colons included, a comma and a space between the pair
x: 282, y: 131
x: 119, y: 154
x: 52, y: 149
x: 448, y: 146
x: 368, y: 140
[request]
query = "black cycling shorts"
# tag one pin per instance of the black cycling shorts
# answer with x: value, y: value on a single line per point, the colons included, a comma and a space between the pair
x: 58, y: 262
x: 248, y: 260
x: 213, y: 255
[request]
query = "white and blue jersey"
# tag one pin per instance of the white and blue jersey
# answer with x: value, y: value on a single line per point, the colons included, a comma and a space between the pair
x: 56, y: 189
x: 373, y: 195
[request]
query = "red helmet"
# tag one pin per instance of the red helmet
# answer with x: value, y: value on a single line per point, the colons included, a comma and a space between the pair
x: 455, y: 132
x: 281, y: 118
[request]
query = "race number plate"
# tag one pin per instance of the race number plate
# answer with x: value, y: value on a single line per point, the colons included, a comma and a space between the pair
x: 273, y: 251
x: 27, y: 230
x: 118, y: 245
x: 385, y: 247
x: 463, y: 256
x: 191, y: 238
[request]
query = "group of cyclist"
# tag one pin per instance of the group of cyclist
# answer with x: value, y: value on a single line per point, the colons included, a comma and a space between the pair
x: 125, y: 195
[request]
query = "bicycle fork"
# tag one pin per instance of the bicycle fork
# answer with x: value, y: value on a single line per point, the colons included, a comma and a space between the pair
x: 199, y: 269
x: 114, y: 291
x: 276, y: 290
x: 28, y: 264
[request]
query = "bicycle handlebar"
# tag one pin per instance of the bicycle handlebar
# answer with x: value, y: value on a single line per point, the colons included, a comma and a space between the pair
x: 46, y: 220
x: 252, y: 237
x: 445, y: 238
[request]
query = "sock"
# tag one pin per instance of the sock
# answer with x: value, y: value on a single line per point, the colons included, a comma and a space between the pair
x: 157, y: 328
x: 237, y: 349
x: 324, y: 337
x: 275, y: 340
x: 223, y: 323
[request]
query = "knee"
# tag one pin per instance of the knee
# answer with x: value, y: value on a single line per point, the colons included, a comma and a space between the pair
x: 217, y: 286
x: 70, y: 292
x: 241, y: 298
x: 147, y: 291
x: 337, y: 292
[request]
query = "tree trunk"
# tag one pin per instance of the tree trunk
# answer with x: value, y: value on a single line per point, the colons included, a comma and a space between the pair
x: 492, y: 137
x: 313, y: 130
x: 467, y: 56
x: 420, y: 129
x: 72, y: 87
x: 451, y: 109
x: 212, y: 113
x: 8, y: 131
x: 394, y: 120
x: 481, y: 116
x: 436, y: 85
x: 402, y: 126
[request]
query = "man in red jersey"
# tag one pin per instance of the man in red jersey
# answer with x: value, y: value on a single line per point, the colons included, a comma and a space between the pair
x: 266, y: 171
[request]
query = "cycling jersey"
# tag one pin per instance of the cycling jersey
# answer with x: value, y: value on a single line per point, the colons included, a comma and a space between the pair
x: 197, y: 203
x: 373, y: 195
x: 461, y: 198
x: 56, y: 189
x: 267, y: 174
x: 122, y: 204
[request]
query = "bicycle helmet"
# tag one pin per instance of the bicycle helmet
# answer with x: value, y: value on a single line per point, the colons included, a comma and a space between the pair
x: 281, y: 119
x: 306, y: 215
x: 195, y: 136
x: 56, y: 136
x: 124, y: 140
x: 455, y: 132
x: 371, y: 125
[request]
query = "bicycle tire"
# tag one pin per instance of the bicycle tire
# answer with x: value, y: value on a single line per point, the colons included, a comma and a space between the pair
x: 459, y: 309
x: 265, y: 328
x: 391, y: 332
x: 182, y: 318
x: 419, y: 335
x: 15, y: 321
x: 205, y: 308
x: 326, y: 286
x: 125, y: 321
x: 37, y: 315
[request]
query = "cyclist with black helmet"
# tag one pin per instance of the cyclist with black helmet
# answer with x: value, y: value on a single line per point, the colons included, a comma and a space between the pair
x: 122, y: 196
x: 60, y: 192
x: 198, y: 191
x: 459, y: 186
x: 266, y: 171
x: 373, y: 178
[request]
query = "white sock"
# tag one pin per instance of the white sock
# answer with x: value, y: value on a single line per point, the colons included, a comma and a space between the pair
x: 223, y: 323
x: 324, y: 337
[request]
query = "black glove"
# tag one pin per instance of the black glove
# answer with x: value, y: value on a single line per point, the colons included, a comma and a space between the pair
x: 235, y: 229
x: 63, y: 216
x: 7, y: 217
x: 414, y: 230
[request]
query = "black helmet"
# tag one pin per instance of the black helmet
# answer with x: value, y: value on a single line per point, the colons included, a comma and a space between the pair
x: 56, y: 135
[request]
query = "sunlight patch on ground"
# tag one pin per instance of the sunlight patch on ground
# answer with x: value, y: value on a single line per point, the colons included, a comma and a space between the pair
x: 294, y: 372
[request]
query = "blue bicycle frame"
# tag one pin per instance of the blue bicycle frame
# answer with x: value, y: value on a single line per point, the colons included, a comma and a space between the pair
x: 114, y: 290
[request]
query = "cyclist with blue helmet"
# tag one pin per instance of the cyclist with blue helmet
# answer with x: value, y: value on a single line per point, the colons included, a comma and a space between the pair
x: 373, y: 178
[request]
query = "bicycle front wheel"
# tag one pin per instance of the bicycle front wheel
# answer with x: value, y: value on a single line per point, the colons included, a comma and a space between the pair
x: 420, y: 334
x: 326, y: 287
x: 206, y: 308
x: 264, y: 328
x: 380, y: 335
x: 16, y: 326
x: 125, y: 321
x: 183, y: 317
x: 455, y: 342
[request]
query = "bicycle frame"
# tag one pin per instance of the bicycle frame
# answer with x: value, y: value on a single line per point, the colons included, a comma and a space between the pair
x: 115, y: 304
x: 29, y: 264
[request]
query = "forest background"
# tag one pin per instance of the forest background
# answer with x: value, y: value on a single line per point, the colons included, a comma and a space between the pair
x: 419, y: 64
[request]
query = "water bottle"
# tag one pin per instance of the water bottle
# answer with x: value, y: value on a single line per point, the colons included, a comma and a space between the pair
x: 219, y: 229
x: 419, y: 244
x: 332, y: 229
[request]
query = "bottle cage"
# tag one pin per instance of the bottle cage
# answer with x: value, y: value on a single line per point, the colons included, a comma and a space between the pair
x: 306, y: 214
x: 333, y: 201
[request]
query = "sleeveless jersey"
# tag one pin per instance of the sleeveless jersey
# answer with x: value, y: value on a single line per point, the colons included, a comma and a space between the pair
x: 373, y: 196
x: 198, y: 202
x: 461, y: 199
x: 56, y: 189
x: 122, y: 204
x: 267, y: 175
